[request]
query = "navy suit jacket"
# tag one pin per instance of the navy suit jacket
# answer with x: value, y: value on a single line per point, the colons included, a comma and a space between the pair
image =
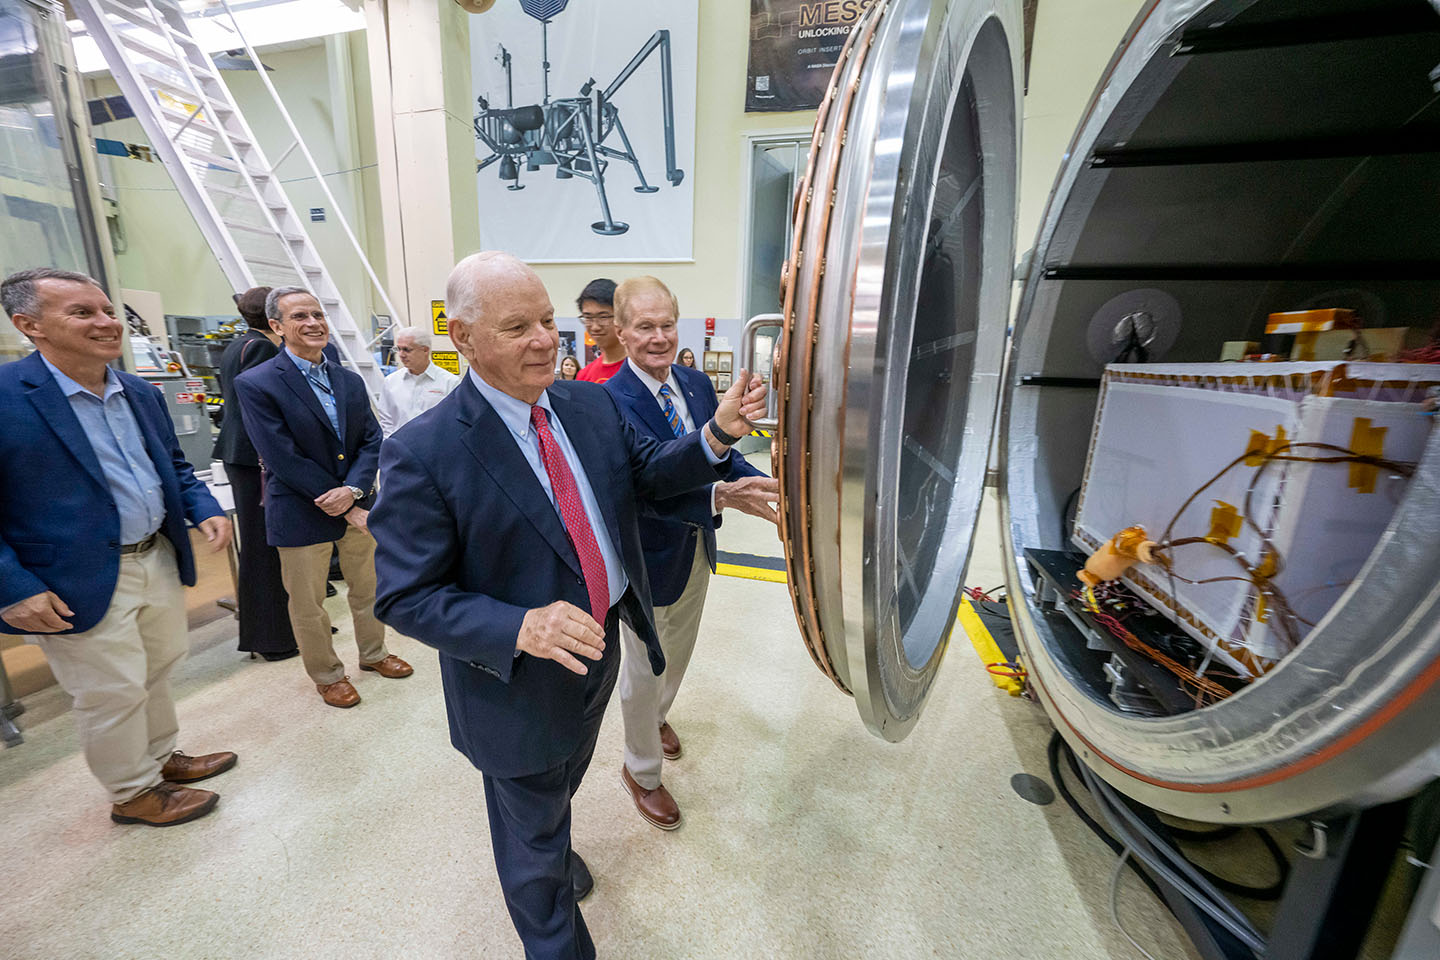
x: 301, y: 454
x: 59, y: 526
x: 467, y: 543
x: 669, y: 540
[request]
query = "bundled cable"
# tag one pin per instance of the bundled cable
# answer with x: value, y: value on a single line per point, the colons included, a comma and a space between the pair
x: 1132, y: 839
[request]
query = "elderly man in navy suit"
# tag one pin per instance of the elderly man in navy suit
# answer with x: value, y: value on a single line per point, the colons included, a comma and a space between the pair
x: 319, y: 442
x: 664, y: 400
x: 508, y: 540
x: 94, y: 551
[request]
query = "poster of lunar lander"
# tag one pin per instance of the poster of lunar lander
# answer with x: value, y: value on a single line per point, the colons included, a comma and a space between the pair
x: 534, y: 134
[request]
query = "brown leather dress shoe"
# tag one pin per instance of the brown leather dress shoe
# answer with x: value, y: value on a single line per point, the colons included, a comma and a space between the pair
x: 339, y: 694
x: 392, y: 667
x: 669, y: 742
x: 165, y: 805
x: 185, y: 769
x: 656, y: 806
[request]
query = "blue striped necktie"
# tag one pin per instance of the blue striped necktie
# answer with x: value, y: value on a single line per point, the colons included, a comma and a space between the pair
x: 667, y: 407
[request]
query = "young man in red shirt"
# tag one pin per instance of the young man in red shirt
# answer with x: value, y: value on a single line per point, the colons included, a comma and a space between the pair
x: 597, y: 312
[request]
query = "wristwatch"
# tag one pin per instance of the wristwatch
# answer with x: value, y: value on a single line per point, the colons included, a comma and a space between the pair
x: 724, y: 438
x: 359, y: 494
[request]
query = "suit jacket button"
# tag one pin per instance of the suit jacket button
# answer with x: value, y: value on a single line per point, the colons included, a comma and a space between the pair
x: 340, y: 456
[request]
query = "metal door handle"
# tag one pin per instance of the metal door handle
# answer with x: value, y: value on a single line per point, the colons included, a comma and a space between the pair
x: 747, y: 362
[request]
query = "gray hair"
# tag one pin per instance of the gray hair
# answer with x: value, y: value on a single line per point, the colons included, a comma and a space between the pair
x: 469, y: 282
x: 272, y: 300
x: 419, y: 335
x: 19, y: 292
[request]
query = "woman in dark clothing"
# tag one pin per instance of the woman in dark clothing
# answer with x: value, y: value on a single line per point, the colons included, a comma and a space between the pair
x: 261, y: 599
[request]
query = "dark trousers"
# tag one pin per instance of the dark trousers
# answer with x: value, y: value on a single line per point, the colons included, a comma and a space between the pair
x: 530, y: 832
x: 260, y: 596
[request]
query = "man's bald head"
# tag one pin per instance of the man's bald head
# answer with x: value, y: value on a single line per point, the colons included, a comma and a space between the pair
x: 502, y: 320
x: 482, y: 279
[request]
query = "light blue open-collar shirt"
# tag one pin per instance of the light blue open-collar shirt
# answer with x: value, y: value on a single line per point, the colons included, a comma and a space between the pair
x: 516, y: 415
x: 115, y: 437
x: 318, y: 376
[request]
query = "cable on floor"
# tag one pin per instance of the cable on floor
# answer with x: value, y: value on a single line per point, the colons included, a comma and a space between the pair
x: 1282, y: 864
x: 1120, y: 819
x: 1115, y: 874
x: 1056, y: 744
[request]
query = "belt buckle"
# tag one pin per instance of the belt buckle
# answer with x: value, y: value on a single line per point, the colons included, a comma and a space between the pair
x: 138, y: 547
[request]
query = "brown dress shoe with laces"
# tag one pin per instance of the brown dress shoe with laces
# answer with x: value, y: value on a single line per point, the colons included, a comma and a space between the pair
x: 186, y: 769
x: 339, y: 694
x: 669, y: 742
x: 656, y: 806
x: 165, y: 805
x: 392, y: 667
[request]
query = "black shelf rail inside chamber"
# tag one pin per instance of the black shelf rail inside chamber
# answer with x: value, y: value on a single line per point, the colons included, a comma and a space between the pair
x: 1417, y: 18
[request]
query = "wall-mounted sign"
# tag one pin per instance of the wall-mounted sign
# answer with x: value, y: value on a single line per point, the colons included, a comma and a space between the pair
x: 438, y: 319
x: 446, y: 360
x: 317, y: 214
x: 794, y: 46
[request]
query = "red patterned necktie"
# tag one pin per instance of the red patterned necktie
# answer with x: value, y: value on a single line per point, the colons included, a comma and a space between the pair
x: 572, y: 511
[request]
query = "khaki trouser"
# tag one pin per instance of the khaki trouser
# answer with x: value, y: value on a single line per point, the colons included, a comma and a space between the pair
x: 304, y: 571
x: 118, y: 672
x: 645, y: 699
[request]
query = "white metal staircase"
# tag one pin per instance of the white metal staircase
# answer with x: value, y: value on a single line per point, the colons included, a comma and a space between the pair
x: 218, y: 167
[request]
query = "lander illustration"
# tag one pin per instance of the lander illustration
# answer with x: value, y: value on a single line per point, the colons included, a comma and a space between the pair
x: 576, y: 135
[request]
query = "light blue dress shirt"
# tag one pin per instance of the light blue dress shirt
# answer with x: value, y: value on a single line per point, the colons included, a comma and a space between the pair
x: 115, y: 436
x: 516, y: 414
x: 318, y: 376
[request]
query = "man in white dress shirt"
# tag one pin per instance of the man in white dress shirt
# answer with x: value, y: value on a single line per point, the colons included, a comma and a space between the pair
x: 417, y: 386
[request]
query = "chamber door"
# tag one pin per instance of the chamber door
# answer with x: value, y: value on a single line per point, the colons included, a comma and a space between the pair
x: 897, y: 294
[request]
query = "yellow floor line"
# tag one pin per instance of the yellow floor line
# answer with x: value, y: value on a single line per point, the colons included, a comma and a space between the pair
x: 750, y: 573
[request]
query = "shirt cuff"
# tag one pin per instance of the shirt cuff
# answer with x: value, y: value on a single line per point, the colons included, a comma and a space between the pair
x: 714, y: 458
x: 714, y: 512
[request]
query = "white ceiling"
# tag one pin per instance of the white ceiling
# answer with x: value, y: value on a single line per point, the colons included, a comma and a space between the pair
x: 267, y: 24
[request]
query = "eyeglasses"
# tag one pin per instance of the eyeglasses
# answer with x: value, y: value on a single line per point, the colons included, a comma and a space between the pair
x: 597, y: 317
x: 409, y: 349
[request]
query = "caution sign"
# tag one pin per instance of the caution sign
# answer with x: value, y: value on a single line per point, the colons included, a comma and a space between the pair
x: 439, y: 320
x: 445, y: 359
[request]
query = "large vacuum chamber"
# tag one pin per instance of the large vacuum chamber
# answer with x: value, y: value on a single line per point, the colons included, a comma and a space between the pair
x: 1240, y: 157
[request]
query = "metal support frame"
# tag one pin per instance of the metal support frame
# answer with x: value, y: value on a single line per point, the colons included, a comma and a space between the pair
x: 151, y: 52
x: 1329, y: 898
x: 1335, y: 885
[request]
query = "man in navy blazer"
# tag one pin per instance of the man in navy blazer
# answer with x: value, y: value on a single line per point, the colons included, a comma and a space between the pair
x: 508, y: 540
x: 664, y: 400
x: 319, y: 443
x: 94, y: 551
